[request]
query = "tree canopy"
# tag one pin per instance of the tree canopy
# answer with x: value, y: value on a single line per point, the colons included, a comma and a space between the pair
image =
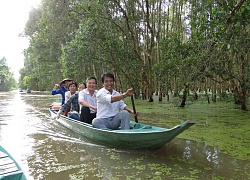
x: 155, y: 46
x: 7, y: 81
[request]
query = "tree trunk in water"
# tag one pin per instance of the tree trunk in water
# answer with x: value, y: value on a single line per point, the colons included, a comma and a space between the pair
x: 236, y: 95
x: 175, y: 87
x: 244, y: 80
x: 143, y: 83
x: 150, y: 88
x: 160, y: 93
x: 208, y: 100
x: 214, y: 92
x: 205, y: 89
x: 242, y: 97
x: 184, y: 97
x: 195, y: 96
x: 167, y: 97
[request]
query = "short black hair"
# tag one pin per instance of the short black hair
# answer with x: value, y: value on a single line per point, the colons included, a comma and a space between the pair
x: 83, y: 84
x: 109, y: 75
x: 91, y: 77
x: 72, y: 84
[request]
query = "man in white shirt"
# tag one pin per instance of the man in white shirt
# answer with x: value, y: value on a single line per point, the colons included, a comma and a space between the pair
x: 87, y: 100
x: 112, y: 112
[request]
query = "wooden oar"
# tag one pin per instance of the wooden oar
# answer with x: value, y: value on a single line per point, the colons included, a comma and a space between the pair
x: 133, y: 104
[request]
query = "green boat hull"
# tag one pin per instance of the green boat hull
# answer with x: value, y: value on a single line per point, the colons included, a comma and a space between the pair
x: 9, y: 168
x: 139, y: 136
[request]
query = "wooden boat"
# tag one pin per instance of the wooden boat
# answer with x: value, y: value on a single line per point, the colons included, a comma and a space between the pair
x: 9, y: 168
x: 137, y: 137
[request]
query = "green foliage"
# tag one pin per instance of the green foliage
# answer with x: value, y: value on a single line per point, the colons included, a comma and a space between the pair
x: 7, y: 81
x: 145, y: 45
x: 48, y: 28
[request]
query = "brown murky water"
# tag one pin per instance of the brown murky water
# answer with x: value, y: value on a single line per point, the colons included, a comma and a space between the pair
x: 47, y: 150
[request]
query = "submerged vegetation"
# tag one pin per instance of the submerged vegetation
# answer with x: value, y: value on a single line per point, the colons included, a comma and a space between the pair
x: 221, y: 124
x: 216, y: 147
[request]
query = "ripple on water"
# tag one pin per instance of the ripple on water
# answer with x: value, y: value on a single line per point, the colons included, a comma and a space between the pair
x: 47, y: 150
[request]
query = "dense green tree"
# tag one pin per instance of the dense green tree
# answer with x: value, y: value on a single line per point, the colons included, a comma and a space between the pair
x: 49, y: 28
x: 157, y: 46
x: 223, y: 32
x: 7, y: 81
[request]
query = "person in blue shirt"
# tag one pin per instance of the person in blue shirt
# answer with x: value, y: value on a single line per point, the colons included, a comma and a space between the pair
x: 61, y: 88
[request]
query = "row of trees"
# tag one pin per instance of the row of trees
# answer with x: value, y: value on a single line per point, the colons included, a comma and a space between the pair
x: 7, y: 81
x: 155, y: 46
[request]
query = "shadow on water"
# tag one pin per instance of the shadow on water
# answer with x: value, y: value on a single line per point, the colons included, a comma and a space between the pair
x: 50, y: 151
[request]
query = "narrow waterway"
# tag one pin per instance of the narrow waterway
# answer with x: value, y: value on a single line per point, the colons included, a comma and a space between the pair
x: 47, y: 150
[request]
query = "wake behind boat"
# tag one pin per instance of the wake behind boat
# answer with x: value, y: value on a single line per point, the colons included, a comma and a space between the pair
x: 139, y: 136
x: 9, y: 168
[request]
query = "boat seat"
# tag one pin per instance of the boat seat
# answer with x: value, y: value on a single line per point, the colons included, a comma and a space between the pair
x: 8, y: 167
x: 139, y: 126
x: 12, y: 175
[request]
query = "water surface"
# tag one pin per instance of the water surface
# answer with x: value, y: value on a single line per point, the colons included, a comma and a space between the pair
x: 47, y: 150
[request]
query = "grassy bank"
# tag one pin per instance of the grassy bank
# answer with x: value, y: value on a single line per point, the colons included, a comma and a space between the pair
x: 219, y: 124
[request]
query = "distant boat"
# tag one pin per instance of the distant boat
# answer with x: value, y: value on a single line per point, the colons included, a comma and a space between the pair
x: 28, y: 91
x: 20, y: 90
x: 139, y: 136
x: 9, y: 168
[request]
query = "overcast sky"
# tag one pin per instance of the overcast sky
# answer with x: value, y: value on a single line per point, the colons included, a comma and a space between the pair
x: 13, y: 16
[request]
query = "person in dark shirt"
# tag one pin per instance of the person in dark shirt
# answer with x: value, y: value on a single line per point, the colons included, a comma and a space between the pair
x: 61, y: 88
x: 74, y: 110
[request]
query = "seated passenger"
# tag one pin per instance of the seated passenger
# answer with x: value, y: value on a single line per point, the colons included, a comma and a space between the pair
x: 73, y: 102
x: 61, y: 88
x: 87, y: 100
x: 112, y: 112
x: 81, y: 86
x: 71, y: 91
